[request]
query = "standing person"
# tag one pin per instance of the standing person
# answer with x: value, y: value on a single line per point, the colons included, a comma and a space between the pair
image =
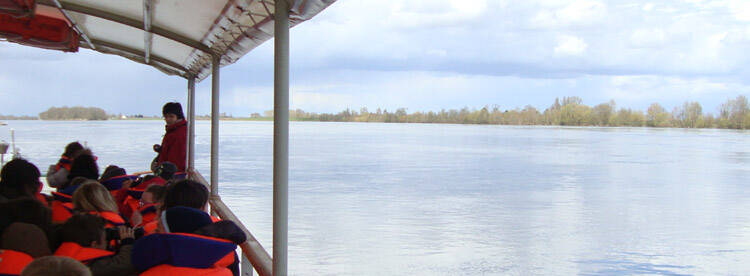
x: 174, y: 144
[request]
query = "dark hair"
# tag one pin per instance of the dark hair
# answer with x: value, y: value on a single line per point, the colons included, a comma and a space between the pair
x: 19, y: 178
x: 85, y: 166
x: 158, y: 191
x: 112, y: 171
x: 26, y: 210
x: 173, y: 108
x: 166, y: 170
x: 186, y: 193
x: 82, y: 229
x: 72, y: 149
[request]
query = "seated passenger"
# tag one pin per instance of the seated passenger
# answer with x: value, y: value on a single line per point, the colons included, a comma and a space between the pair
x: 187, y: 193
x: 84, y: 239
x: 183, y: 229
x: 148, y: 205
x: 91, y: 197
x: 114, y: 178
x: 132, y: 194
x: 83, y: 166
x: 20, y: 178
x: 58, y: 174
x: 56, y: 265
x: 27, y: 210
x: 62, y: 203
x: 20, y: 243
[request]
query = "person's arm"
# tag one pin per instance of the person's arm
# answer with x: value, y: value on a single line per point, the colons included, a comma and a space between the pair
x: 119, y: 264
x: 55, y: 178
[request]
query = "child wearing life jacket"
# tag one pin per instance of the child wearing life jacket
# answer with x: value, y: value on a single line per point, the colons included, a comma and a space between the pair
x: 20, y: 243
x: 187, y: 193
x: 181, y: 230
x: 84, y: 239
x: 55, y: 265
x: 92, y: 197
x: 130, y: 196
x: 83, y: 166
x: 57, y: 174
x: 148, y: 205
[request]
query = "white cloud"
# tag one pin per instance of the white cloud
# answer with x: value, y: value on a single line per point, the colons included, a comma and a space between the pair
x: 648, y: 7
x: 645, y: 87
x: 648, y: 37
x: 740, y: 9
x: 582, y: 11
x: 570, y: 13
x: 570, y: 45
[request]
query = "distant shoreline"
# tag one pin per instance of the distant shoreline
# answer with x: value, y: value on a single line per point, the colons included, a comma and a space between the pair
x: 264, y: 119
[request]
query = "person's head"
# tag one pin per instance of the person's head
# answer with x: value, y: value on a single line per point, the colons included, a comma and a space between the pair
x: 85, y: 166
x: 55, y: 265
x: 26, y: 210
x: 26, y: 238
x: 172, y: 112
x: 186, y: 193
x: 92, y: 196
x: 72, y: 150
x: 166, y: 170
x: 19, y: 178
x: 112, y: 171
x: 153, y: 194
x: 86, y: 230
x: 182, y: 219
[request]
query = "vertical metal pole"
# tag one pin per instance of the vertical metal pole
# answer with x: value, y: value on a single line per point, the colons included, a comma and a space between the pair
x: 215, y: 126
x: 191, y: 126
x: 280, y: 137
x: 246, y: 268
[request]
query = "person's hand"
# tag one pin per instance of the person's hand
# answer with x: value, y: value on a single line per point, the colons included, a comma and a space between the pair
x: 136, y: 219
x: 126, y: 232
x: 157, y: 147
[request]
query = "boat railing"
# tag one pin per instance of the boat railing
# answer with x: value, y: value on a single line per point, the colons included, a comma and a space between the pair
x: 253, y: 252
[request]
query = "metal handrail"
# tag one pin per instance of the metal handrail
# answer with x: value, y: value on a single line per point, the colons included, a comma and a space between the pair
x: 251, y: 248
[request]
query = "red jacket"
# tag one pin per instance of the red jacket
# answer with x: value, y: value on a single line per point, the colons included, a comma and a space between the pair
x: 174, y: 145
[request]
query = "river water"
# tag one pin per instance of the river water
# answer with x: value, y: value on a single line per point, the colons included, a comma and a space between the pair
x: 420, y: 199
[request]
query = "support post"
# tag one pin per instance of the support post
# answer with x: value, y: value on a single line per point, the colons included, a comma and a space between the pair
x: 191, y: 127
x: 280, y: 137
x: 215, y: 126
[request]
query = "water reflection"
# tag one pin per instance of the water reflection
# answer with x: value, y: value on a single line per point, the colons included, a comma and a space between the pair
x: 470, y: 200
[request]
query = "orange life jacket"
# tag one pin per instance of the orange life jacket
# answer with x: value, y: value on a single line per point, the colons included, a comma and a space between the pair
x: 82, y: 254
x: 112, y: 219
x: 169, y: 270
x: 150, y: 227
x: 12, y: 262
x: 64, y: 162
x: 61, y: 211
x: 161, y: 254
x: 148, y: 213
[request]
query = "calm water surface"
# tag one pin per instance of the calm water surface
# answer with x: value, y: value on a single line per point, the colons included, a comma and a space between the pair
x: 371, y: 199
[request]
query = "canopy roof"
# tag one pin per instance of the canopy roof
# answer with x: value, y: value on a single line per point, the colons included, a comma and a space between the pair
x: 179, y: 37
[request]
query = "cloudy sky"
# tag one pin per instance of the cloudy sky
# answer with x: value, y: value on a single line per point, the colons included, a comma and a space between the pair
x: 434, y: 54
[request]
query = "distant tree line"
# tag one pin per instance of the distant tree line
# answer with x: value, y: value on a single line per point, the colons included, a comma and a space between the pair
x: 73, y: 113
x: 735, y: 114
x: 13, y: 117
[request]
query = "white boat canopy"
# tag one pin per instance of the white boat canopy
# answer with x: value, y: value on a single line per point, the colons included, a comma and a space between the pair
x: 193, y: 39
x: 179, y: 37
